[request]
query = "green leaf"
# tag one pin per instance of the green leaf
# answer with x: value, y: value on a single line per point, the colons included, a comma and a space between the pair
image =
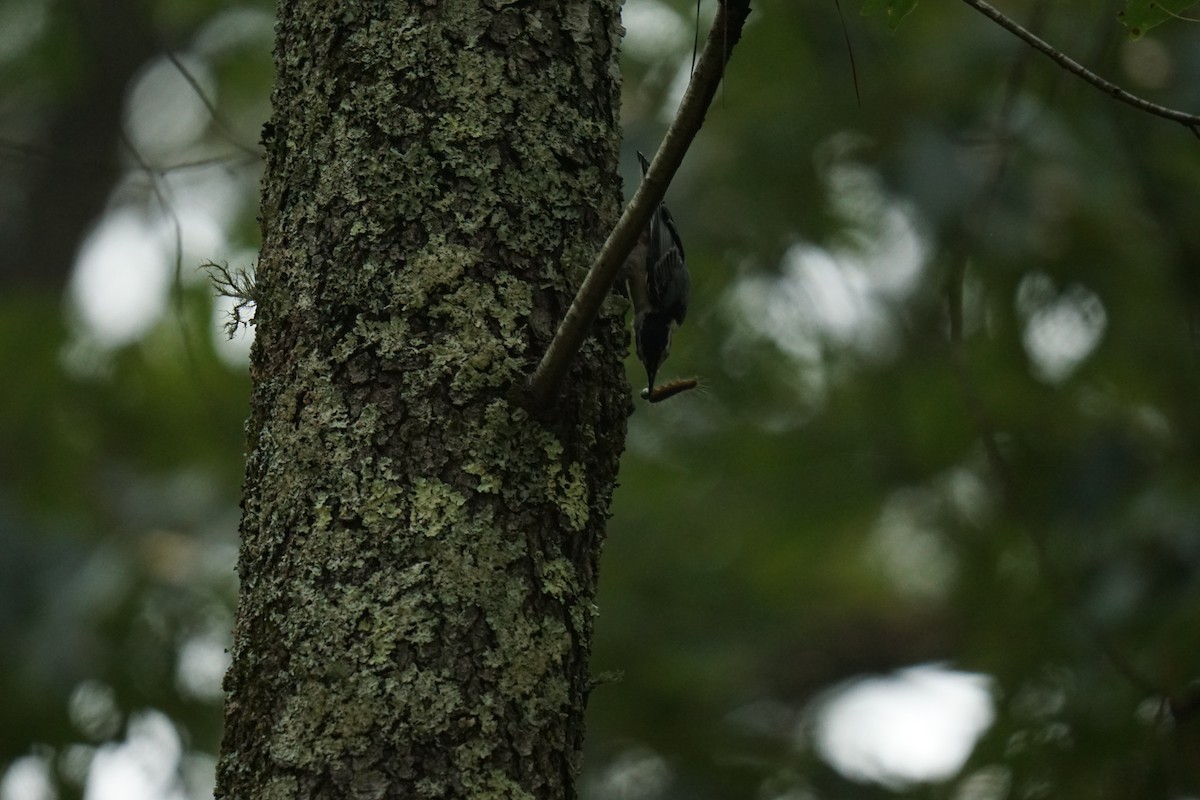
x: 895, y: 10
x: 1142, y: 15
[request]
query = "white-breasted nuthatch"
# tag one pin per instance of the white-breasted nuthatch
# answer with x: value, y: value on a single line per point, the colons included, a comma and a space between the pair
x: 659, y: 286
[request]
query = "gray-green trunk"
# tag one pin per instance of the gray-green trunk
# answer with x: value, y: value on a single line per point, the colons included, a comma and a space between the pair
x: 419, y: 556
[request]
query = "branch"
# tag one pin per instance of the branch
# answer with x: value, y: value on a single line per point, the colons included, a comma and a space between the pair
x: 1191, y: 121
x: 725, y: 33
x: 974, y: 228
x: 213, y: 113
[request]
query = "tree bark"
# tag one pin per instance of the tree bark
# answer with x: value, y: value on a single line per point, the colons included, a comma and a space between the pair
x: 419, y: 556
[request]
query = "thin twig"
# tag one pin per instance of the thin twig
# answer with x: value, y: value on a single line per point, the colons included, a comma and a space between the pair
x: 168, y: 209
x: 217, y: 118
x: 722, y: 37
x: 972, y: 230
x: 160, y: 189
x: 1191, y: 121
x: 849, y: 51
x: 72, y: 162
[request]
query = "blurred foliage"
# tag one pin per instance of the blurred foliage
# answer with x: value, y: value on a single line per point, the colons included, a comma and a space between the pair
x: 1142, y: 15
x: 867, y: 480
x: 894, y: 10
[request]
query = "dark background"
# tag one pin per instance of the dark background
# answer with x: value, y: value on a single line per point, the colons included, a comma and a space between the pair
x: 861, y: 562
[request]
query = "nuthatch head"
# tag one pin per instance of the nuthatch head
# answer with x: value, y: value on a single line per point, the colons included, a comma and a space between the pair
x: 652, y: 335
x: 659, y: 286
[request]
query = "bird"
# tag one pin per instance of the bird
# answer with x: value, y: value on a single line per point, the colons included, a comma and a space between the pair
x: 660, y: 288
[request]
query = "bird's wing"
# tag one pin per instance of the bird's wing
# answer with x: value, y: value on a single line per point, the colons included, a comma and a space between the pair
x: 669, y: 283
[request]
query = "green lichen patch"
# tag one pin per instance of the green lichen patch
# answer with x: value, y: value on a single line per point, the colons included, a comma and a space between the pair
x: 435, y: 507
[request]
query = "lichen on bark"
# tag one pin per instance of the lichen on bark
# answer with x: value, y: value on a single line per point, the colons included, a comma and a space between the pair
x: 419, y: 555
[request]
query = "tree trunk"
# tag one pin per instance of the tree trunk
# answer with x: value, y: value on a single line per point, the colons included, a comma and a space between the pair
x: 419, y: 555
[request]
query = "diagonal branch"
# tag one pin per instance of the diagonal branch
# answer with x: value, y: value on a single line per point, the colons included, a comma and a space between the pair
x: 1010, y: 490
x: 725, y: 33
x: 218, y: 119
x: 1191, y: 121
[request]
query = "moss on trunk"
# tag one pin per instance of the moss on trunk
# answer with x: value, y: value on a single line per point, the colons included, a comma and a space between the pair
x: 419, y: 556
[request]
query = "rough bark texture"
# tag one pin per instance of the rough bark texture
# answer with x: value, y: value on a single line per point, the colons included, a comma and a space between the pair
x: 419, y: 556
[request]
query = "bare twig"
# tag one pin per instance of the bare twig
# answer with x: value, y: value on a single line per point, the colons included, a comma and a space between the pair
x: 977, y: 216
x: 722, y: 37
x: 1191, y: 121
x: 71, y: 162
x: 217, y: 118
x: 849, y: 51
